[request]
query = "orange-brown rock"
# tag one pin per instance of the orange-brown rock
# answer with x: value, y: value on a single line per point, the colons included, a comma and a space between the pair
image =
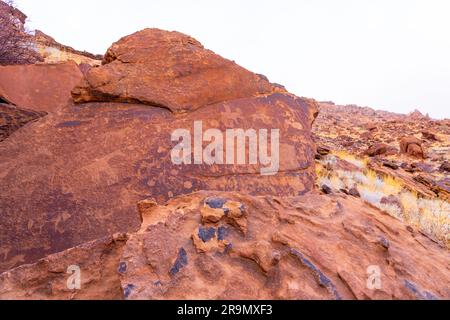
x: 170, y: 70
x: 307, y: 247
x: 40, y: 87
x: 76, y: 175
x: 13, y: 118
x: 416, y: 151
x: 48, y: 278
x: 412, y: 146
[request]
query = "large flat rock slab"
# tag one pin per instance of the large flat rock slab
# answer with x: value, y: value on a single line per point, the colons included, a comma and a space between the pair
x: 40, y: 87
x: 74, y: 177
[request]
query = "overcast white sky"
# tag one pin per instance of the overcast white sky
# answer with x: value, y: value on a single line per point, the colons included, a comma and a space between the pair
x: 387, y: 54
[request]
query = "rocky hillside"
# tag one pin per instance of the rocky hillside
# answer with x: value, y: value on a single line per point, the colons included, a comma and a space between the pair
x: 87, y: 179
x: 398, y: 163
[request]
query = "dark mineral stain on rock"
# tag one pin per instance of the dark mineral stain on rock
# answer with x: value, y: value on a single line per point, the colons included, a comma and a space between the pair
x: 326, y: 189
x: 180, y: 263
x: 222, y: 233
x: 417, y: 292
x: 122, y: 267
x: 228, y: 247
x: 69, y: 124
x: 206, y: 234
x: 430, y: 296
x: 384, y: 243
x: 323, y: 280
x: 128, y: 290
x: 215, y: 203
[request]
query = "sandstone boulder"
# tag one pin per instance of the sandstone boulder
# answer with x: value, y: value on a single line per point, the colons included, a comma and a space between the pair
x: 415, y: 150
x: 76, y: 175
x: 170, y: 70
x: 412, y: 146
x: 379, y: 149
x: 213, y: 245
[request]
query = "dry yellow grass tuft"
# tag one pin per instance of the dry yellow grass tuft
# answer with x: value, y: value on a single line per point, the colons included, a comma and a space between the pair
x: 357, y: 161
x: 431, y: 216
x: 392, y: 186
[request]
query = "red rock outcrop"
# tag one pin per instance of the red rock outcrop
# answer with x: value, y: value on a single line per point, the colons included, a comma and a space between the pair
x: 212, y: 245
x: 76, y: 175
x: 170, y: 70
x: 40, y: 87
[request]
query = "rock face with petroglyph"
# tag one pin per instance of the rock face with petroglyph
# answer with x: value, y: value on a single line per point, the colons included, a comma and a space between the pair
x: 77, y: 174
x: 212, y: 245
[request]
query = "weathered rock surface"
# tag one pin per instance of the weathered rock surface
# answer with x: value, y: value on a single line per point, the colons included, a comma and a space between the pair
x: 13, y: 118
x: 171, y: 70
x: 212, y: 245
x: 40, y: 87
x: 97, y: 261
x: 77, y: 174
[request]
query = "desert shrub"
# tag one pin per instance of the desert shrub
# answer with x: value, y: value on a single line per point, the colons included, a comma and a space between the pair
x: 434, y: 218
x: 16, y: 44
x: 392, y: 186
x: 391, y: 209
